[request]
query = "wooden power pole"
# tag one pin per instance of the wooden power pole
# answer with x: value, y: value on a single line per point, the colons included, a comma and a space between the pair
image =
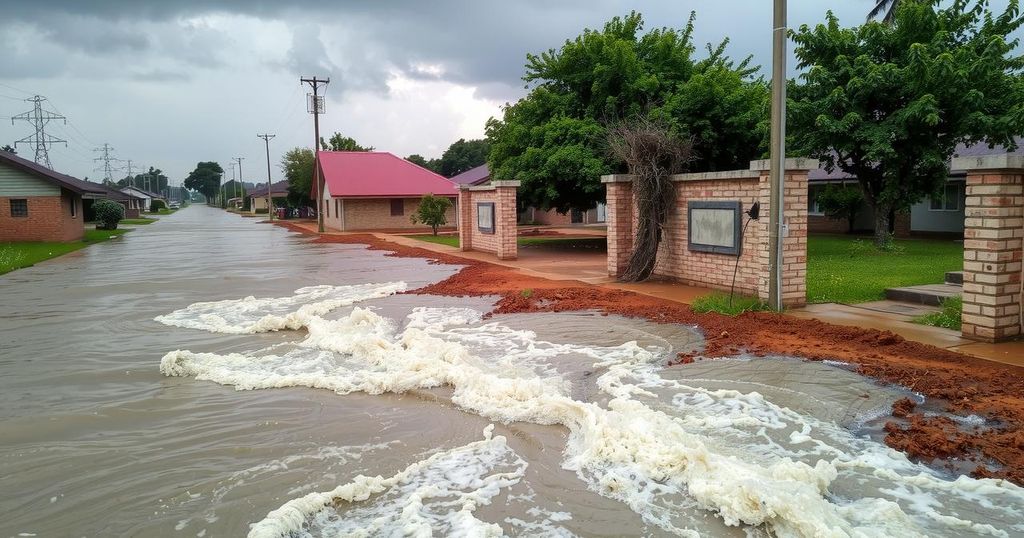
x: 315, y: 106
x: 270, y: 206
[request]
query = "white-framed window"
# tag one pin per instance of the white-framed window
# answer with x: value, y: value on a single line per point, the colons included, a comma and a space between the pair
x: 813, y: 191
x: 949, y: 199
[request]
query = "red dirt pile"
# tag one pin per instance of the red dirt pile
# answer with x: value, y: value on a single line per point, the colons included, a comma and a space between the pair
x: 967, y: 385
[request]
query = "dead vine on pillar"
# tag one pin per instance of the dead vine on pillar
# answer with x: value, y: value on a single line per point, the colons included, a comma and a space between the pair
x: 651, y: 154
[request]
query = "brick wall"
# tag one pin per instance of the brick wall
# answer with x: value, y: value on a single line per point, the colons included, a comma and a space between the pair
x: 502, y: 242
x: 49, y: 219
x: 824, y: 225
x: 354, y: 214
x: 993, y: 235
x: 705, y: 269
x: 551, y: 217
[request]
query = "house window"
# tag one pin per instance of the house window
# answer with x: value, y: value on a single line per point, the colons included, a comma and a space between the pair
x: 485, y: 217
x: 19, y: 208
x: 74, y: 207
x: 813, y: 192
x: 327, y: 208
x: 949, y: 200
x: 397, y: 207
x: 337, y: 208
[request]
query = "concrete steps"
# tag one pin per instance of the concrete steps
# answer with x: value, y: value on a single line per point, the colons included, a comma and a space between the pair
x: 955, y: 277
x: 928, y: 294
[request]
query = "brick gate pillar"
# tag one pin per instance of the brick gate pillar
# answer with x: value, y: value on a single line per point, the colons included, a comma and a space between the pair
x: 993, y: 232
x: 465, y: 218
x: 794, y: 240
x: 619, y: 218
x: 505, y: 219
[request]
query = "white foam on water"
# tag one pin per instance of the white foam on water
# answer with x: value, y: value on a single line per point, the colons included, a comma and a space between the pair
x: 256, y: 315
x: 747, y: 460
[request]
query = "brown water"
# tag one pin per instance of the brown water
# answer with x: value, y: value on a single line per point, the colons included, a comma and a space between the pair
x: 96, y: 441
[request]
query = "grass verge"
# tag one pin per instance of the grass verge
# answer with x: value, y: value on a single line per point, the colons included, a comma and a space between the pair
x: 948, y: 317
x: 851, y: 270
x: 721, y: 304
x: 557, y: 242
x: 138, y: 222
x: 26, y: 254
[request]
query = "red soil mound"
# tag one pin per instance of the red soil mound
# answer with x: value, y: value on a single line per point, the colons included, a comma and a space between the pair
x: 966, y: 384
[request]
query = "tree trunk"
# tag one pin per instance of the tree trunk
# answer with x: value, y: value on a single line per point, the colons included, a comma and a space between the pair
x: 882, y: 223
x: 434, y: 227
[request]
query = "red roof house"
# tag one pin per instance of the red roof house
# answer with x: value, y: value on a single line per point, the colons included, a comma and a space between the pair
x: 375, y: 190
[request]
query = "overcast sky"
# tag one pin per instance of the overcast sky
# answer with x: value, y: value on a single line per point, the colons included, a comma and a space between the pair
x: 169, y: 83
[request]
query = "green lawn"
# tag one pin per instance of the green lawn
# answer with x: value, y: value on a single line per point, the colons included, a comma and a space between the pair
x: 19, y: 255
x: 138, y: 221
x: 850, y: 270
x: 450, y: 240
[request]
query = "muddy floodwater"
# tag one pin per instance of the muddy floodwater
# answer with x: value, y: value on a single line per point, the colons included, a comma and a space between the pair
x: 209, y: 375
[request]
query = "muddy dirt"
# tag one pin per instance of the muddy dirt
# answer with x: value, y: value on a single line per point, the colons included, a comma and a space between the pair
x: 966, y: 385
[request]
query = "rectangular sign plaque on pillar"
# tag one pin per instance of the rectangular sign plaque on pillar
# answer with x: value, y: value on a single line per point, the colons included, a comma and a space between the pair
x: 485, y: 217
x: 714, y: 227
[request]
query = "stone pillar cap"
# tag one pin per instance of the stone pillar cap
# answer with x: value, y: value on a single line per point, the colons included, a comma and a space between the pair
x: 999, y: 161
x: 792, y: 163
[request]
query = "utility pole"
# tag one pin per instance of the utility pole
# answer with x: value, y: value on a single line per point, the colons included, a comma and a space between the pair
x: 315, y: 106
x: 42, y: 141
x: 238, y: 186
x: 776, y: 173
x: 270, y: 206
x: 223, y: 200
x: 107, y: 170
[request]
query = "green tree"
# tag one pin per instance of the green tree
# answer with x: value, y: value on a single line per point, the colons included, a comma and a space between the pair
x: 463, y: 155
x: 434, y: 165
x: 342, y: 143
x: 888, y: 103
x: 297, y: 166
x: 432, y: 211
x: 555, y: 139
x: 8, y: 149
x: 840, y: 202
x: 108, y: 214
x: 205, y: 179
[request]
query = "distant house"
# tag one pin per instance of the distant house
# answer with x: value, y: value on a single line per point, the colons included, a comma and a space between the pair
x: 939, y: 215
x: 375, y: 190
x: 258, y: 196
x: 481, y: 175
x: 39, y: 204
x: 133, y: 205
x: 145, y: 195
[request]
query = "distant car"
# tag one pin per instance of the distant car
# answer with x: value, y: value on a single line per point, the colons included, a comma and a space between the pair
x: 174, y: 205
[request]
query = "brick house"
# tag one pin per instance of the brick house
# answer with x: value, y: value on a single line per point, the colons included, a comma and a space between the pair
x: 481, y: 175
x: 258, y: 196
x: 375, y: 190
x: 146, y: 196
x: 39, y: 204
x: 133, y: 205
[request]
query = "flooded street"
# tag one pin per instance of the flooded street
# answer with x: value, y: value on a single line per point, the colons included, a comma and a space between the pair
x: 209, y: 375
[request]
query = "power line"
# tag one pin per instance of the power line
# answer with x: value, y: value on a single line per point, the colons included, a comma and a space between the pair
x: 42, y: 141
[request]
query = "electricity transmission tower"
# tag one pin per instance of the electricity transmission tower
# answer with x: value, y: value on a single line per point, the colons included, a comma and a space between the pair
x: 315, y: 106
x: 40, y: 140
x: 128, y: 168
x: 270, y: 206
x: 107, y: 170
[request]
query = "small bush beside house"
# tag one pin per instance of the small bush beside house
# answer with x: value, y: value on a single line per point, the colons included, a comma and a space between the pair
x: 431, y: 212
x: 108, y: 214
x: 156, y: 205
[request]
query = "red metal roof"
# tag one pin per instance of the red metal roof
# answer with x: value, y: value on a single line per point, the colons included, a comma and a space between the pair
x: 378, y: 174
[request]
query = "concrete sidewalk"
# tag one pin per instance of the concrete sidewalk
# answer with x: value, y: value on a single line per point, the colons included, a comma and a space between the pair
x: 592, y: 268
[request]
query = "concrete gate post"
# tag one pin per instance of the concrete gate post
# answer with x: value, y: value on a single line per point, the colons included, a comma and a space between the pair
x: 488, y: 219
x: 993, y: 235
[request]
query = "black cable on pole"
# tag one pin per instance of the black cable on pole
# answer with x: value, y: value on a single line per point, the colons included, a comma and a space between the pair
x: 752, y: 214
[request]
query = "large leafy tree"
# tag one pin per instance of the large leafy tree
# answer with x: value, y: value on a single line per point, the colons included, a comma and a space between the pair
x: 338, y: 142
x: 555, y: 139
x: 297, y: 165
x: 888, y: 103
x: 434, y: 165
x: 205, y: 179
x: 462, y: 155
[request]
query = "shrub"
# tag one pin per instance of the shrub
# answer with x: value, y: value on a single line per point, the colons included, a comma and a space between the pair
x: 108, y: 214
x: 157, y: 205
x: 841, y: 203
x: 720, y: 303
x: 948, y: 317
x: 432, y: 211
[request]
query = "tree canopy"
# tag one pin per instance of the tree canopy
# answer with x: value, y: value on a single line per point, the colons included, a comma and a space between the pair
x: 338, y: 142
x: 297, y: 165
x: 154, y: 181
x: 888, y: 103
x: 205, y: 179
x: 554, y: 140
x: 463, y: 155
x: 8, y: 148
x: 432, y: 211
